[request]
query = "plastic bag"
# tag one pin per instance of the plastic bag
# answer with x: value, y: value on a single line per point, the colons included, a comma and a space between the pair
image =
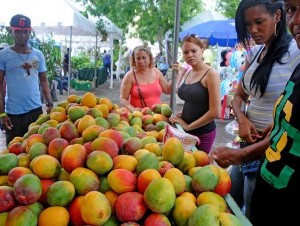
x: 232, y: 128
x: 189, y: 141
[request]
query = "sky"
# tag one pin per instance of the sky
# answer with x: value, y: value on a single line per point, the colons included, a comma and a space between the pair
x: 210, y: 4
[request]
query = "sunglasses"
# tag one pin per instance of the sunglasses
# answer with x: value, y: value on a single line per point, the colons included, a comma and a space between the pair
x: 190, y: 36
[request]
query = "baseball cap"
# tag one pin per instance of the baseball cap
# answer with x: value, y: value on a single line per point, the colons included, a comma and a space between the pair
x: 20, y: 22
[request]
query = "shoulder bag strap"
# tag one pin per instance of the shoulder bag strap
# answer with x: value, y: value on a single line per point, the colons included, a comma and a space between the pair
x: 140, y: 93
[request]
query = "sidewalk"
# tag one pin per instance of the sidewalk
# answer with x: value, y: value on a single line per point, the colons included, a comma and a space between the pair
x: 104, y: 90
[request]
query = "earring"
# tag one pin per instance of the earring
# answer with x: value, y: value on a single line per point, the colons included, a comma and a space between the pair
x: 276, y: 33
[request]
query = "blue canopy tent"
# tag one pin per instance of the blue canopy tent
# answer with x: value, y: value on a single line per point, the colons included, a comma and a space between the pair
x: 219, y: 32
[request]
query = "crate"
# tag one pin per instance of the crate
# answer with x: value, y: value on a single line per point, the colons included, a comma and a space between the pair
x: 83, y: 85
x: 72, y: 82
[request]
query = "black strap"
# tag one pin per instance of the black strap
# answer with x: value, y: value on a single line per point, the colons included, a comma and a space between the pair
x: 205, y: 74
x: 200, y: 78
x: 143, y: 102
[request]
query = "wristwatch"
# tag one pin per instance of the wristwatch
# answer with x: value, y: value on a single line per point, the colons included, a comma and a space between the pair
x: 48, y: 104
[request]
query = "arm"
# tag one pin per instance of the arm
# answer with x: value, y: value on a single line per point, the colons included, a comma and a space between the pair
x: 46, y: 90
x: 247, y: 130
x: 2, y: 92
x: 165, y: 86
x: 6, y: 123
x: 180, y: 75
x: 125, y: 90
x: 213, y: 86
x: 181, y: 72
x: 225, y: 156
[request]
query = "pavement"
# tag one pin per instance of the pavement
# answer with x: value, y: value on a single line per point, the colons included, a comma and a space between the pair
x: 104, y: 90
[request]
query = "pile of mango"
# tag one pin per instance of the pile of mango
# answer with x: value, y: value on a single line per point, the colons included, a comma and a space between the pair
x: 91, y: 162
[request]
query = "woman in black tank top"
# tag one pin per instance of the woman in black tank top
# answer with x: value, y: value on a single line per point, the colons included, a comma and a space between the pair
x: 201, y: 94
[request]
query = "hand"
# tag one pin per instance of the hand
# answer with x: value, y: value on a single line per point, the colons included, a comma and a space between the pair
x: 180, y: 121
x: 248, y: 132
x: 174, y: 119
x: 225, y: 156
x: 176, y: 66
x: 6, y: 123
x: 266, y: 131
x: 49, y: 108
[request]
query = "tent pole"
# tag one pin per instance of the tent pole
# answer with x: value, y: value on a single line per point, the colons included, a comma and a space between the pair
x: 69, y: 66
x: 118, y: 73
x: 96, y: 53
x: 111, y: 41
x: 175, y: 55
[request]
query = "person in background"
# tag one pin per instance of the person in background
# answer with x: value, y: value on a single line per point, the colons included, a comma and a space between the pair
x: 106, y: 62
x: 208, y: 57
x: 269, y: 66
x: 157, y: 59
x: 24, y: 70
x: 2, y: 46
x: 143, y: 81
x: 200, y: 91
x: 277, y: 184
x: 163, y: 65
x: 182, y: 70
x: 62, y: 81
x: 126, y: 59
x: 65, y: 62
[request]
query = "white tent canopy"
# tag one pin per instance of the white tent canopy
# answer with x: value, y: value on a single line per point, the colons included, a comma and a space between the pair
x: 205, y: 16
x: 54, y: 15
x: 59, y: 18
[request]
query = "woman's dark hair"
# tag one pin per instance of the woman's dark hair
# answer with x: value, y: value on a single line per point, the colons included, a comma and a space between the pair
x: 278, y: 47
x: 223, y: 57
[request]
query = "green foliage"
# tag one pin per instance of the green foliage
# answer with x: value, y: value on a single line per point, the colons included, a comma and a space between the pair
x: 52, y: 55
x: 5, y: 36
x: 227, y: 7
x: 83, y: 60
x: 150, y: 18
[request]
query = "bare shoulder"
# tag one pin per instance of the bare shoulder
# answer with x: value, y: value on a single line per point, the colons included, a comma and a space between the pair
x: 128, y: 78
x: 214, y: 74
x: 156, y: 70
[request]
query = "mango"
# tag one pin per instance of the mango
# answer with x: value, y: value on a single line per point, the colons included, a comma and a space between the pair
x: 7, y: 162
x: 21, y: 216
x: 60, y: 193
x: 205, y: 179
x: 95, y: 208
x: 173, y: 151
x: 130, y: 207
x: 27, y: 189
x: 160, y: 196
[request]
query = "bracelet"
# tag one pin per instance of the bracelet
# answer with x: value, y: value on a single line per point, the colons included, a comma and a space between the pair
x: 3, y: 115
x: 48, y: 104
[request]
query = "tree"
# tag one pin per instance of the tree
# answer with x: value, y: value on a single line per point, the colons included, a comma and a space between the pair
x: 227, y: 7
x: 150, y: 19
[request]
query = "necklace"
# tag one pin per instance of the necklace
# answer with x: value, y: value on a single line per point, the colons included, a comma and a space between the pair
x: 26, y: 65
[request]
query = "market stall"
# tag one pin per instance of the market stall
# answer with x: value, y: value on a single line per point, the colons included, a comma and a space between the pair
x: 97, y: 157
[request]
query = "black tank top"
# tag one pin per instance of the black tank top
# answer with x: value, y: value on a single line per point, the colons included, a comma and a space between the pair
x: 196, y: 104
